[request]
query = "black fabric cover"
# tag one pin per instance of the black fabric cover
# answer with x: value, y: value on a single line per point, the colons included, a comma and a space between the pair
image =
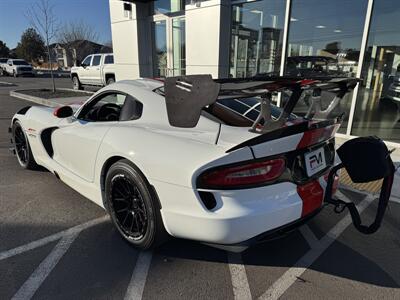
x: 365, y: 159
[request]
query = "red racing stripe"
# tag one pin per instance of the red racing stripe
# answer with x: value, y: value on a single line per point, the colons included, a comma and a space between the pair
x: 312, y: 195
x: 316, y: 136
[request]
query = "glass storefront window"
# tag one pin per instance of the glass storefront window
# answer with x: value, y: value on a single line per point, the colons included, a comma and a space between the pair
x: 256, y: 42
x: 160, y: 48
x: 378, y: 100
x: 325, y: 40
x: 168, y: 6
x: 179, y: 47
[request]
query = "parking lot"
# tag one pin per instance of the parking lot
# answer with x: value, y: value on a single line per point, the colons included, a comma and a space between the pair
x: 55, y: 244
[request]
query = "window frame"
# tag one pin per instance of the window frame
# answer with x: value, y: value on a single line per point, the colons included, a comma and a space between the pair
x: 106, y: 57
x: 93, y: 58
x: 92, y: 102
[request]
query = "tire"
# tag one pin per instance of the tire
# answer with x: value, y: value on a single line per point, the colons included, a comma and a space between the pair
x: 15, y: 74
x: 110, y: 80
x: 76, y: 83
x: 133, y: 207
x: 22, y: 148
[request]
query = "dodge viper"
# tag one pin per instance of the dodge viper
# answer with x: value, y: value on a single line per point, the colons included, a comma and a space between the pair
x: 195, y: 158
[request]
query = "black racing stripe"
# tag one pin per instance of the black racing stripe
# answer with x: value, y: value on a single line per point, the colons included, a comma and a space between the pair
x: 284, y: 132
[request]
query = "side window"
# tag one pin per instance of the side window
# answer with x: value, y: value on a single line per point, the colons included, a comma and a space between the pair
x: 104, y: 108
x: 87, y: 61
x: 109, y: 60
x: 96, y: 60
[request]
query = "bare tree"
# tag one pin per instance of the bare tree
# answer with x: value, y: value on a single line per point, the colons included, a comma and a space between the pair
x: 74, y: 37
x: 42, y: 18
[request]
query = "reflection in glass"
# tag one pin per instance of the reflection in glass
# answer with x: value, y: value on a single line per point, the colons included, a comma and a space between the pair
x: 160, y: 48
x: 257, y: 32
x: 325, y: 40
x: 378, y: 101
x: 179, y: 47
x: 168, y: 6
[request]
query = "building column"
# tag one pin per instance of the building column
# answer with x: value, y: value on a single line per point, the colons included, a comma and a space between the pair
x: 208, y: 38
x: 131, y: 36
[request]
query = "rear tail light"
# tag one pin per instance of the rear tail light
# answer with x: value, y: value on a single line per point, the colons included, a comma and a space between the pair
x: 247, y: 175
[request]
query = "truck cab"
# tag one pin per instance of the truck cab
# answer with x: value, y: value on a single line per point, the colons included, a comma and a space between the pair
x: 95, y: 70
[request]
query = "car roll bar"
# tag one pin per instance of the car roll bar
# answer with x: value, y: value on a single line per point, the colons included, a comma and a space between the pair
x: 186, y: 96
x: 365, y: 159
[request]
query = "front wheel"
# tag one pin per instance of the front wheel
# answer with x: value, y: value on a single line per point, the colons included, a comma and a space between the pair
x: 22, y: 147
x: 133, y: 207
x: 15, y: 74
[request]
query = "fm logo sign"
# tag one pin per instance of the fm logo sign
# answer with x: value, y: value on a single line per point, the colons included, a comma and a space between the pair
x: 316, y: 160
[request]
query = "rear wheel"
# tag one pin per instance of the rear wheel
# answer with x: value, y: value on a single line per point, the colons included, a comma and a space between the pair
x: 22, y: 147
x: 110, y: 80
x: 133, y: 207
x: 76, y: 83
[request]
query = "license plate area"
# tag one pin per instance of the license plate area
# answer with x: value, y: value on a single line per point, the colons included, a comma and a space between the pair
x: 315, y: 161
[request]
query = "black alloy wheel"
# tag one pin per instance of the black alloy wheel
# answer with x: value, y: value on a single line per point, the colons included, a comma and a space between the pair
x: 129, y: 208
x: 22, y: 147
x: 133, y: 207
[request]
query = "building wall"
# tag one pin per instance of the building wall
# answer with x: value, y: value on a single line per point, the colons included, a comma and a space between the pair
x: 206, y: 39
x: 132, y: 59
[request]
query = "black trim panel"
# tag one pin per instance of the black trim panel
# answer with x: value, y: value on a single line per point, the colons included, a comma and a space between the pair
x: 284, y: 132
x: 46, y: 140
x: 23, y: 111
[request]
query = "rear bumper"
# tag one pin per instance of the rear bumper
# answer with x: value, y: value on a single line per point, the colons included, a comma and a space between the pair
x: 241, y: 217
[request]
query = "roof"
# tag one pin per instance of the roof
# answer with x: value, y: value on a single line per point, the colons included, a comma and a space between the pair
x: 144, y: 83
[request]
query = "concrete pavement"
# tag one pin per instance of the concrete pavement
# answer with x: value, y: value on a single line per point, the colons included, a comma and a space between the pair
x: 59, y: 245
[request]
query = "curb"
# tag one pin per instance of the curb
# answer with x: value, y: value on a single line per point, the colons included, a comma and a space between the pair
x: 42, y: 101
x: 7, y: 83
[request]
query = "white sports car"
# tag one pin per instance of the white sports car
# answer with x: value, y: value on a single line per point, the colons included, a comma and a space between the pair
x: 195, y: 158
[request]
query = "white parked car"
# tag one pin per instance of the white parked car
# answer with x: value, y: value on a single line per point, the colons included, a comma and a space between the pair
x: 96, y: 69
x: 3, y: 63
x: 188, y: 158
x: 18, y: 67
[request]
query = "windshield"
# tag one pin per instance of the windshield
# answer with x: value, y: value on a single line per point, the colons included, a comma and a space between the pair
x: 20, y: 63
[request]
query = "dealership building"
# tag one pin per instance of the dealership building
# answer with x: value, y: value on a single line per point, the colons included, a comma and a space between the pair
x: 227, y: 38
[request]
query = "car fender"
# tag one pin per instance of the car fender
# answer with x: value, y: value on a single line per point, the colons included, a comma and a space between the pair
x: 34, y: 121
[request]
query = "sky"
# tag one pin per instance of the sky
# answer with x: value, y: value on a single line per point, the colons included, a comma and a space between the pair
x: 13, y: 22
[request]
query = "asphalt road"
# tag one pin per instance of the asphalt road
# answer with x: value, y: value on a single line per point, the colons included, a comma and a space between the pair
x: 46, y: 254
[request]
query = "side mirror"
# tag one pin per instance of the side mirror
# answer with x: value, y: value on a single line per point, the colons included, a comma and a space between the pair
x: 83, y: 65
x: 63, y: 112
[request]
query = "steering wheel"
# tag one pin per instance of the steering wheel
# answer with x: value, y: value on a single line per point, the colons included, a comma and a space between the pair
x: 109, y: 112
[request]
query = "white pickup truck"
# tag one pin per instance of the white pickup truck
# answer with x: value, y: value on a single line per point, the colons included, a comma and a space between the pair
x: 96, y: 69
x: 18, y: 67
x: 3, y: 63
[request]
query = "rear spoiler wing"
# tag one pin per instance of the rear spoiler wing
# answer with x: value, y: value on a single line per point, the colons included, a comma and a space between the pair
x: 186, y: 96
